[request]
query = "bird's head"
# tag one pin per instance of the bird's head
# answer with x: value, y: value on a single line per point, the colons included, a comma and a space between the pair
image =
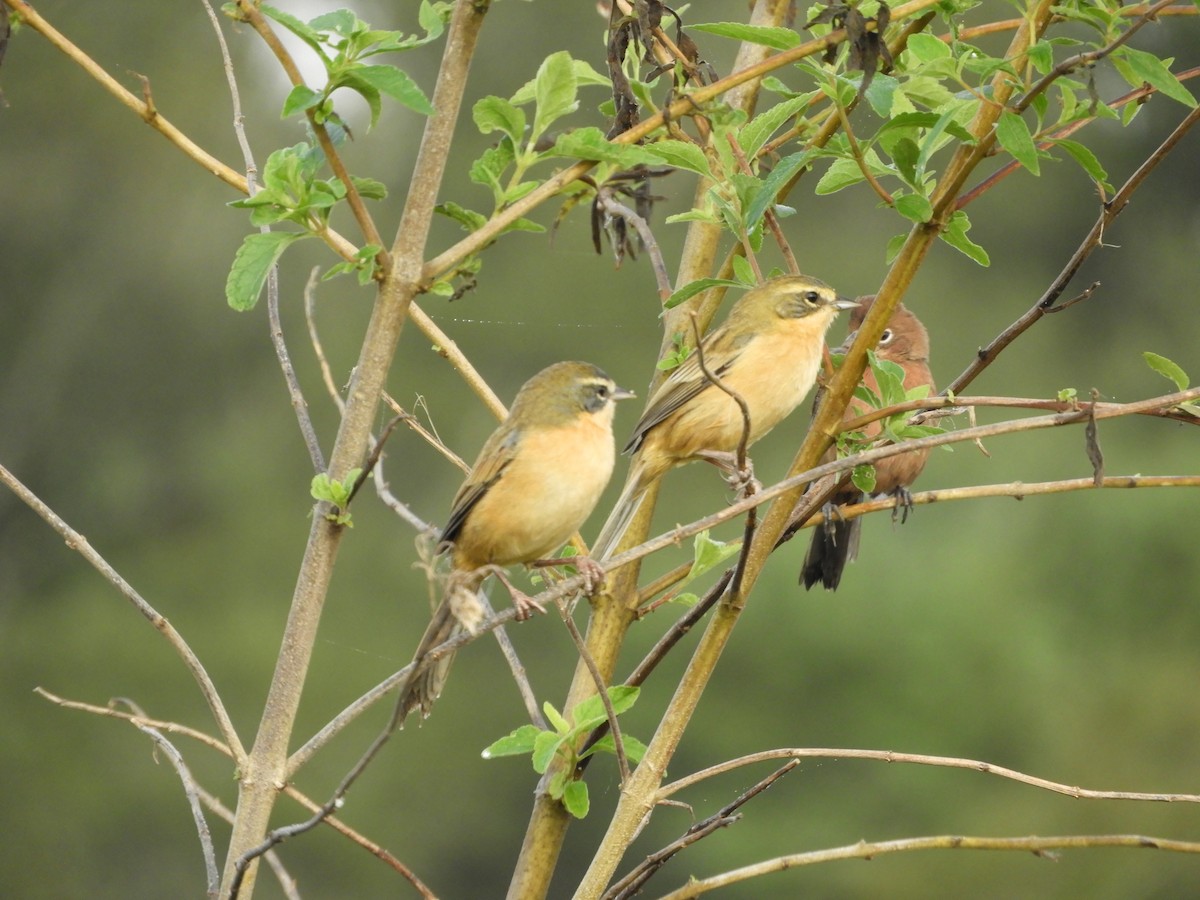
x: 565, y: 391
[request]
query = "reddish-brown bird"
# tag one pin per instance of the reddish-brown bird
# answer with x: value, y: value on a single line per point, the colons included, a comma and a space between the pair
x: 906, y: 343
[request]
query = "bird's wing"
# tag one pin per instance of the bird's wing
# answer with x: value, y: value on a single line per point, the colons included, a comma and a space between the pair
x: 686, y: 381
x: 494, y: 458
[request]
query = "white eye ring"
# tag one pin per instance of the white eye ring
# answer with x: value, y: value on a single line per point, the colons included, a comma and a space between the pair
x: 886, y: 337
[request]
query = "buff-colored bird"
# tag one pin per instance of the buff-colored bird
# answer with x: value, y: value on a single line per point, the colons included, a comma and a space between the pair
x: 768, y: 351
x: 536, y: 480
x: 906, y: 343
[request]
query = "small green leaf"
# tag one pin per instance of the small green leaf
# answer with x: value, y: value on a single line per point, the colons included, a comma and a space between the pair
x: 956, y: 236
x: 252, y: 263
x: 300, y: 98
x: 1087, y: 159
x: 1167, y: 369
x: 545, y: 745
x: 516, y: 743
x: 394, y: 82
x: 707, y: 554
x: 681, y: 155
x: 1014, y: 136
x: 742, y: 270
x: 575, y: 799
x: 775, y: 38
x: 467, y: 218
x: 1137, y: 66
x: 309, y: 35
x: 755, y: 133
x: 1067, y: 394
x: 914, y: 207
x: 590, y: 143
x: 634, y: 749
x: 555, y: 717
x: 555, y: 89
x: 783, y: 172
x: 497, y: 114
x: 864, y: 478
x: 841, y: 174
x: 927, y: 48
x: 693, y: 288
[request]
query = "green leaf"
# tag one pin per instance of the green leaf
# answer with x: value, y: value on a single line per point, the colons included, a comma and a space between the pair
x: 742, y: 270
x: 707, y: 553
x: 1088, y: 161
x: 1167, y: 369
x: 755, y: 133
x: 555, y: 89
x: 775, y: 38
x: 955, y: 235
x: 695, y: 287
x: 783, y: 172
x: 927, y: 48
x: 864, y: 478
x: 394, y: 82
x: 300, y: 98
x: 590, y: 143
x: 555, y: 718
x: 681, y: 155
x: 591, y: 710
x: 890, y: 378
x: 309, y: 35
x: 1138, y: 66
x: 1014, y: 136
x: 251, y: 264
x: 468, y: 219
x: 545, y: 745
x: 497, y: 114
x: 516, y: 743
x: 841, y: 174
x: 914, y: 207
x: 634, y: 749
x: 1067, y: 394
x: 575, y: 799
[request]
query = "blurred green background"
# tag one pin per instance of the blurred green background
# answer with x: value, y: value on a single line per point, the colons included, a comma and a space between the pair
x: 1056, y: 635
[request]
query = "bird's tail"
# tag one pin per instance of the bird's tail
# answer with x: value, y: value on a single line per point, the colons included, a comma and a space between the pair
x: 623, y: 512
x: 423, y: 688
x: 834, y: 543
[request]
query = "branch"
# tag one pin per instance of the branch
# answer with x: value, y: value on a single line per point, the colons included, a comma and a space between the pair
x: 1108, y: 213
x: 869, y: 850
x: 631, y: 884
x: 889, y: 756
x: 79, y: 543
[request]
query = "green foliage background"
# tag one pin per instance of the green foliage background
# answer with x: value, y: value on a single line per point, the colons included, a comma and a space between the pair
x: 1057, y: 635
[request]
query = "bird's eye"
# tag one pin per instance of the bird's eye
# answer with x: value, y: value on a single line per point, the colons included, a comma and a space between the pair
x: 602, y: 391
x: 886, y: 337
x: 812, y: 298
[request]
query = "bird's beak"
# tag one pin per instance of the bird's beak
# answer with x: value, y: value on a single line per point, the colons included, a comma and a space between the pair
x: 620, y: 393
x: 845, y: 303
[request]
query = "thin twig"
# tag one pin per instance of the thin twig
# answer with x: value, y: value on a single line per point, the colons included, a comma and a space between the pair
x: 79, y: 544
x: 890, y: 756
x: 189, y: 790
x: 520, y: 676
x: 601, y: 690
x: 287, y: 883
x: 612, y: 206
x: 769, y: 216
x: 295, y: 394
x: 1039, y: 846
x: 631, y: 884
x: 1108, y: 213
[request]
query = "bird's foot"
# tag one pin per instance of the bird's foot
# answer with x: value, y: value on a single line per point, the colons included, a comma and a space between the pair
x: 592, y: 571
x: 904, y: 505
x: 522, y: 602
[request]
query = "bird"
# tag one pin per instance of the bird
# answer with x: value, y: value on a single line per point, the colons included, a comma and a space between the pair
x: 537, y: 478
x: 835, y: 543
x: 767, y: 350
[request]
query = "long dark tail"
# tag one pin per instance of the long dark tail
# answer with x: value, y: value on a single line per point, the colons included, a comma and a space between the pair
x: 834, y: 544
x: 618, y: 520
x: 423, y: 688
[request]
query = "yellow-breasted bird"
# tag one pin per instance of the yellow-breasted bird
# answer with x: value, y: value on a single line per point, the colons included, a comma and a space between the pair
x: 768, y: 350
x: 906, y: 343
x: 536, y: 480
